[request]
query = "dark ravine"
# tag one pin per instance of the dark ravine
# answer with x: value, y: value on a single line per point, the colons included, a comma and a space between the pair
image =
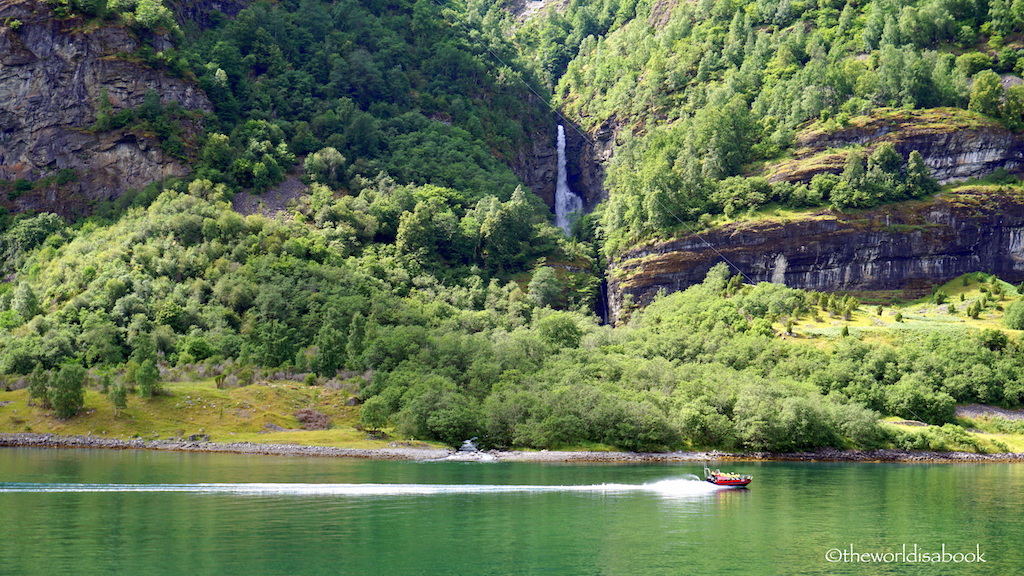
x: 909, y: 246
x: 398, y: 452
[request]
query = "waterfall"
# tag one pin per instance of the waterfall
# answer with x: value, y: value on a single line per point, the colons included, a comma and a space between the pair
x: 565, y: 201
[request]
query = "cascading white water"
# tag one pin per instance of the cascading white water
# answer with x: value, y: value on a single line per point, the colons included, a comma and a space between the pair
x: 566, y: 202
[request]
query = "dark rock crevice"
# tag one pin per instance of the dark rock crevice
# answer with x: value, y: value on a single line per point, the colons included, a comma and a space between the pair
x: 586, y: 159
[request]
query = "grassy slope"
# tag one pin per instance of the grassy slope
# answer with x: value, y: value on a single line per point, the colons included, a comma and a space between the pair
x: 234, y: 415
x: 921, y: 315
x: 924, y: 316
x: 240, y: 414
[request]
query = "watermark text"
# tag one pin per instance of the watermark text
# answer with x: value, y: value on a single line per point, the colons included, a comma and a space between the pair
x: 907, y: 554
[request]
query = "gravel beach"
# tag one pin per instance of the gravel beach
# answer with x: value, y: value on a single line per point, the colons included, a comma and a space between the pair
x: 400, y: 451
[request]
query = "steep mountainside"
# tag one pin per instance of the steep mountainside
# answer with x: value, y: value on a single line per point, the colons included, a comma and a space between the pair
x: 53, y: 75
x: 702, y: 111
x: 205, y: 13
x: 389, y: 246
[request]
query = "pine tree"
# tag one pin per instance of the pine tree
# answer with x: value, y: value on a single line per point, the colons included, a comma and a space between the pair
x: 331, y: 343
x: 355, y: 345
x: 919, y: 181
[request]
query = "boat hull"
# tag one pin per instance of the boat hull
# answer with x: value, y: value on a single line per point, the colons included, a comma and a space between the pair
x: 739, y: 483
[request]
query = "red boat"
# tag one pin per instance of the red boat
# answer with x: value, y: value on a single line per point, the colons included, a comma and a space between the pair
x: 719, y: 478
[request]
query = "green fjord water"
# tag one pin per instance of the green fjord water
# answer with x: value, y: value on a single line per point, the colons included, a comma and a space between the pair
x: 82, y: 512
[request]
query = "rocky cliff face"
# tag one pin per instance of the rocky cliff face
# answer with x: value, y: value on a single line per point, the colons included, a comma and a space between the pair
x: 537, y: 165
x: 52, y: 74
x: 956, y: 145
x: 537, y: 162
x: 586, y: 160
x: 903, y: 247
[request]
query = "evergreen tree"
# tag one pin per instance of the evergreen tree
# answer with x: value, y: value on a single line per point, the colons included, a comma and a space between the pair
x: 919, y: 181
x: 331, y: 343
x: 356, y: 341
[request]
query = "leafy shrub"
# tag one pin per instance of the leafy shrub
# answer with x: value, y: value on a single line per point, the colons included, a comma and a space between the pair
x: 67, y: 392
x: 703, y: 426
x: 1013, y: 317
x: 913, y: 398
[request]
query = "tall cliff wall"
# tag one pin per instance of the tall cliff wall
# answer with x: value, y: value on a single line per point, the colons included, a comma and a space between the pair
x: 536, y: 163
x: 52, y: 73
x: 913, y: 245
x: 586, y: 161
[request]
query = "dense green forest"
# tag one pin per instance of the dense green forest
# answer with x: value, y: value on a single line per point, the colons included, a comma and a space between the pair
x: 418, y: 269
x: 710, y: 91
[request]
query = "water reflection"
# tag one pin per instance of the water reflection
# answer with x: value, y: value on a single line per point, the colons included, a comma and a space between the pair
x: 155, y: 514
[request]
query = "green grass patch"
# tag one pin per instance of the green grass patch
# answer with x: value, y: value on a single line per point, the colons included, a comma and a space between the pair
x: 929, y: 119
x: 250, y: 414
x: 923, y: 314
x: 950, y: 437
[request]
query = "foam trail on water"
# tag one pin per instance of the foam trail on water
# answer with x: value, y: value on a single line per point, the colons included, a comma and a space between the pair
x: 674, y: 488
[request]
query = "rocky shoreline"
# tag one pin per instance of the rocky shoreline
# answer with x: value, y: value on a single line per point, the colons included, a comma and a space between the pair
x: 400, y: 451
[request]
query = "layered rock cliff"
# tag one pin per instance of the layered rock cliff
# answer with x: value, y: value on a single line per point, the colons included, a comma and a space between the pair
x: 914, y: 245
x: 52, y: 75
x: 956, y: 144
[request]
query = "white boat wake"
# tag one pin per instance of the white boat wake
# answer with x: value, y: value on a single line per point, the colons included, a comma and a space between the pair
x: 688, y: 487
